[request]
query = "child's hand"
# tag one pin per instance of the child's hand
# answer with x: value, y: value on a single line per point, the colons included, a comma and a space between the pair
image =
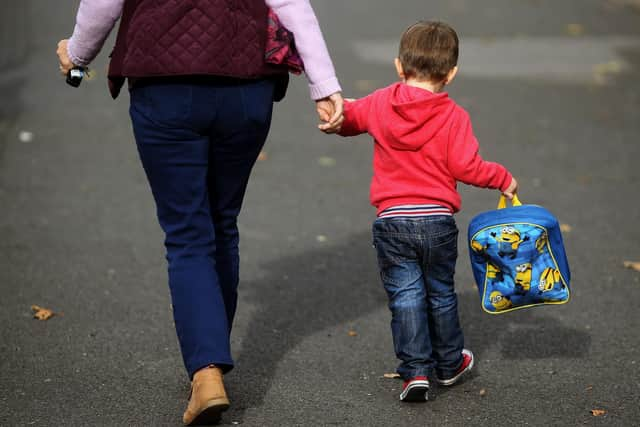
x: 511, y: 190
x: 331, y: 113
x: 329, y: 131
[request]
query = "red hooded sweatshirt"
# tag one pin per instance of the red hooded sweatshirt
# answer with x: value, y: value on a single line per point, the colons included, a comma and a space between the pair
x: 424, y: 144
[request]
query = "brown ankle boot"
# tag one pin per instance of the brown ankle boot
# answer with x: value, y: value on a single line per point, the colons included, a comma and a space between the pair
x: 208, y: 399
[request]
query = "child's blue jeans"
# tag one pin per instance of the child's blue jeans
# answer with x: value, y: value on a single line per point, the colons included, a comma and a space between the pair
x: 417, y: 258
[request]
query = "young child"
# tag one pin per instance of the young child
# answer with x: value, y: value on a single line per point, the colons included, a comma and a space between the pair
x: 424, y: 144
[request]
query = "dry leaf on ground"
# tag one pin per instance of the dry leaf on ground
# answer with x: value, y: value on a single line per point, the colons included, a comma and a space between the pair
x: 634, y: 265
x: 598, y: 412
x: 326, y: 161
x: 575, y: 29
x: 392, y: 375
x: 603, y: 72
x: 41, y: 313
x: 352, y: 333
x: 611, y: 67
x: 90, y: 74
x: 565, y: 228
x: 483, y: 392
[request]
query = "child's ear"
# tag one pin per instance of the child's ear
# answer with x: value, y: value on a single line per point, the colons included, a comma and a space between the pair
x: 399, y: 68
x: 452, y: 75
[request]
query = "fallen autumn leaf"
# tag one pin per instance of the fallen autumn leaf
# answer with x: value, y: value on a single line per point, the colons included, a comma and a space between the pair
x: 575, y: 29
x: 392, y: 375
x: 598, y: 412
x: 90, y: 74
x: 565, y: 228
x: 634, y: 265
x: 352, y: 333
x: 41, y: 313
x: 327, y: 161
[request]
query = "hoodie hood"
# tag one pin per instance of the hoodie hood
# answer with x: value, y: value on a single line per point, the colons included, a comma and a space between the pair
x: 416, y: 116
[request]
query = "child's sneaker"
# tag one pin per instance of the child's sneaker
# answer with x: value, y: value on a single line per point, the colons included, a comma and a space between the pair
x: 415, y: 390
x: 467, y: 364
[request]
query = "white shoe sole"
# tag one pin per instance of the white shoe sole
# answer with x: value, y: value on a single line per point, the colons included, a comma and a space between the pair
x: 417, y: 391
x: 452, y: 381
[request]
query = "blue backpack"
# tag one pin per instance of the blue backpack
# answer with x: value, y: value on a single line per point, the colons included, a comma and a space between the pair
x: 518, y: 258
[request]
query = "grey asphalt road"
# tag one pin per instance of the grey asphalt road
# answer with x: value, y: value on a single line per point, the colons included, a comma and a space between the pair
x: 558, y: 103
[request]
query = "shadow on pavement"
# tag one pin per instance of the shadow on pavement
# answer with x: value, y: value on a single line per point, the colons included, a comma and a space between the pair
x: 306, y: 294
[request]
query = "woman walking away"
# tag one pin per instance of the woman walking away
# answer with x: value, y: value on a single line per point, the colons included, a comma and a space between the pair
x: 201, y: 96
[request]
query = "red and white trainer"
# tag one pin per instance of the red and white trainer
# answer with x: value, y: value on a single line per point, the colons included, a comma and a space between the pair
x: 467, y: 365
x: 415, y: 390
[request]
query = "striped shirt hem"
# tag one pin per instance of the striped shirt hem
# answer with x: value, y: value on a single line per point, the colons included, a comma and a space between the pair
x: 415, y: 211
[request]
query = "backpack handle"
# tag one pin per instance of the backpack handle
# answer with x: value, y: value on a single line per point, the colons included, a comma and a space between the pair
x: 502, y: 203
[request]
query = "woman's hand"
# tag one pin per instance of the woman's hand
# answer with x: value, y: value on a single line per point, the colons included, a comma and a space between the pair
x: 63, y: 57
x: 330, y: 111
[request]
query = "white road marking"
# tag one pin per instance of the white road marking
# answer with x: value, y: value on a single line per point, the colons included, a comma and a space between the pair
x: 567, y: 59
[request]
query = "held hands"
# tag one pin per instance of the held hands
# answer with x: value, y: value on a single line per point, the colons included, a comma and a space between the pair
x: 63, y: 57
x: 330, y: 111
x: 511, y: 190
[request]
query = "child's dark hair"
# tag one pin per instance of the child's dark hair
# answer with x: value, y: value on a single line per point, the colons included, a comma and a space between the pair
x: 429, y: 50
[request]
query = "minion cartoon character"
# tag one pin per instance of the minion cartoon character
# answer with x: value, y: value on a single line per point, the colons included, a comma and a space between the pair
x: 494, y: 273
x: 499, y: 301
x: 523, y: 278
x: 509, y: 241
x: 548, y: 280
x: 541, y: 242
x: 478, y: 247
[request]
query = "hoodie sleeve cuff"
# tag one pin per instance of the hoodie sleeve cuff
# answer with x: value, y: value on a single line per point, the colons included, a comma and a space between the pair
x: 71, y: 51
x: 324, y: 88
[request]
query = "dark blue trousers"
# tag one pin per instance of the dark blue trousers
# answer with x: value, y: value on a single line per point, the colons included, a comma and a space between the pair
x: 198, y: 141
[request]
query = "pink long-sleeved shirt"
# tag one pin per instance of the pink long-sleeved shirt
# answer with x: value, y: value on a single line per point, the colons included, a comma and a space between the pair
x: 96, y: 19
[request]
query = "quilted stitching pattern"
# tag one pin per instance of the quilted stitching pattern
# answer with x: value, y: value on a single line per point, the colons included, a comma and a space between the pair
x: 173, y: 37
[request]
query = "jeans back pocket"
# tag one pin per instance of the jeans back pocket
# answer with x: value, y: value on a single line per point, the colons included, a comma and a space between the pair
x: 165, y: 105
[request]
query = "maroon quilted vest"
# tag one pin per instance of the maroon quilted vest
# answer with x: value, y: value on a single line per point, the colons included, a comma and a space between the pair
x: 190, y: 37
